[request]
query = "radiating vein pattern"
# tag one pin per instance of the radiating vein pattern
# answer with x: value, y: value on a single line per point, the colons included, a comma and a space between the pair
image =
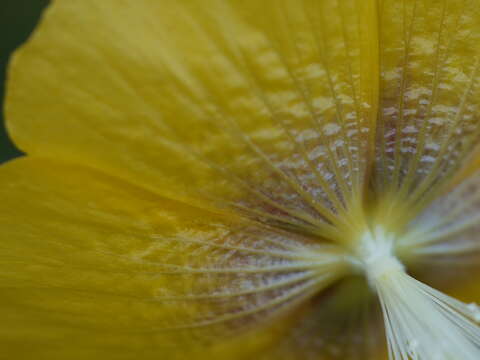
x: 428, y: 120
x: 449, y: 227
x: 300, y: 144
x: 168, y: 271
x: 271, y: 125
x: 237, y: 279
x: 243, y: 163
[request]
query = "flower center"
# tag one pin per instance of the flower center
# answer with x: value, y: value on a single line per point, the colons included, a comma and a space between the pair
x: 421, y: 322
x: 375, y: 255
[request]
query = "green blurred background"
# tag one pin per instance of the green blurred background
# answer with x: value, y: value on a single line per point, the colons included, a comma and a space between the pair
x: 17, y: 20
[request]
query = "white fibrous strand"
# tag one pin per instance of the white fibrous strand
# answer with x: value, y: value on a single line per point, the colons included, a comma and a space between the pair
x: 421, y: 323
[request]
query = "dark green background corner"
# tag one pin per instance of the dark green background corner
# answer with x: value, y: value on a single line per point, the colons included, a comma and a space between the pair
x: 17, y: 20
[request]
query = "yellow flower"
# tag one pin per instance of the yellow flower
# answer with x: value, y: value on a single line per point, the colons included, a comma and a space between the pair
x: 243, y: 179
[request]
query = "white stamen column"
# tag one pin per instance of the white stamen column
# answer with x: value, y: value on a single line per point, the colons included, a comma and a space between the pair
x: 421, y: 323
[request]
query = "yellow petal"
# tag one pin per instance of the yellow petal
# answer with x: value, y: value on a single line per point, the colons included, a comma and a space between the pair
x: 428, y: 118
x: 94, y: 267
x: 264, y: 106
